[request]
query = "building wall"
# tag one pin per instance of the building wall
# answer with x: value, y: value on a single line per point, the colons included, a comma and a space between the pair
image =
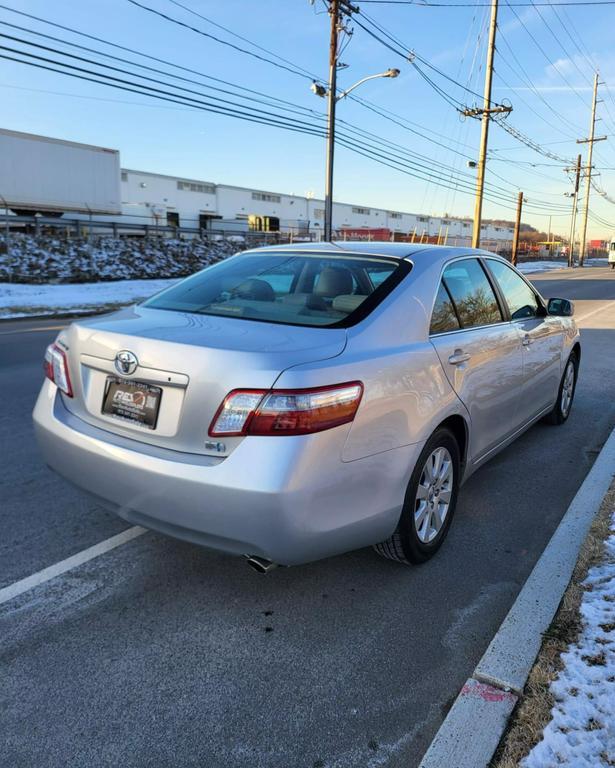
x: 149, y: 196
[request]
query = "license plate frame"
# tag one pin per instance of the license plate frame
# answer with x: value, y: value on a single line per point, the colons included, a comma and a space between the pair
x: 135, y: 402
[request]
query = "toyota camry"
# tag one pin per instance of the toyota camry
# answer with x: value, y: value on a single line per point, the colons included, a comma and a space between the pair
x: 296, y: 402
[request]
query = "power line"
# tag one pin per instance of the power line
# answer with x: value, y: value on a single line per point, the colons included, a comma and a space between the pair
x: 382, y: 111
x: 244, y: 39
x: 529, y: 142
x: 300, y: 110
x: 427, y: 4
x: 233, y: 109
x: 292, y: 69
x: 384, y: 158
x: 541, y: 49
x: 527, y: 78
x: 289, y: 106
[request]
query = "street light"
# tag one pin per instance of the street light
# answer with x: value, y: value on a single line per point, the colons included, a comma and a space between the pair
x: 333, y: 98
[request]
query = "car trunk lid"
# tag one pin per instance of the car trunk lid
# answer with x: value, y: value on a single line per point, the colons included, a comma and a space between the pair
x: 195, y: 360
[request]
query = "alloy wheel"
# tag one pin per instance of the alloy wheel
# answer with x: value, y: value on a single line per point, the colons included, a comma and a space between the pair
x: 567, y: 388
x: 433, y: 495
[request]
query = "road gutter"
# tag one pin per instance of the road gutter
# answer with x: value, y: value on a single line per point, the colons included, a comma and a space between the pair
x: 472, y: 730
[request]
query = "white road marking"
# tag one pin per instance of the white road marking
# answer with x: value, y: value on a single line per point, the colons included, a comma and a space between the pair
x: 34, y: 330
x: 609, y: 304
x: 19, y: 587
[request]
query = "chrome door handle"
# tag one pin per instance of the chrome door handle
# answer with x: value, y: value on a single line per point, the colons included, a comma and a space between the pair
x: 527, y: 340
x: 458, y: 357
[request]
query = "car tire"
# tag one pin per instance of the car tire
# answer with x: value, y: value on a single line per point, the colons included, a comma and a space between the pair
x: 565, y: 394
x: 422, y: 527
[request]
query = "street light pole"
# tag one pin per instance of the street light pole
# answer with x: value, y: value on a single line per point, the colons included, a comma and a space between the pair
x: 336, y: 9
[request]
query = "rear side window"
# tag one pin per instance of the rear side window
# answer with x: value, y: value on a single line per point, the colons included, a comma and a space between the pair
x: 473, y: 297
x: 444, y: 317
x: 521, y: 299
x: 287, y: 287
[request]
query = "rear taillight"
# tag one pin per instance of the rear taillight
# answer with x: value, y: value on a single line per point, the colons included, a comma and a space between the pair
x: 286, y: 411
x: 56, y: 368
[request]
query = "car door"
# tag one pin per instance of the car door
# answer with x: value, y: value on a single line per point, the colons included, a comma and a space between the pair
x: 541, y: 338
x: 480, y: 352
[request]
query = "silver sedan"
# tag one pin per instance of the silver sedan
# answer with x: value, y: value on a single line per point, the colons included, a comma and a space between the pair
x: 295, y: 402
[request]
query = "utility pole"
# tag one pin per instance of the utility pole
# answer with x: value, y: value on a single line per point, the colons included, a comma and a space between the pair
x: 515, y: 244
x: 334, y: 12
x: 588, y: 175
x: 485, y: 113
x: 573, y: 218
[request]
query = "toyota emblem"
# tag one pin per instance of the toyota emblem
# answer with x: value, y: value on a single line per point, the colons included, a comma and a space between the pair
x: 126, y: 362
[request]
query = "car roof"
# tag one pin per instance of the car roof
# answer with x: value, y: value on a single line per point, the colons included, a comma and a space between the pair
x: 414, y: 251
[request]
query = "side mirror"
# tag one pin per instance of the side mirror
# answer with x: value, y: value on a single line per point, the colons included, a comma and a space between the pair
x: 560, y: 307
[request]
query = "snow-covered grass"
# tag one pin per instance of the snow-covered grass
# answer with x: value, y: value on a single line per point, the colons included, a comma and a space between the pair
x: 50, y: 275
x: 17, y: 300
x: 581, y: 733
x: 531, y: 267
x: 47, y: 259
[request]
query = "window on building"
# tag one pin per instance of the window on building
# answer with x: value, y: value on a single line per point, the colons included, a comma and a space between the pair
x: 422, y: 218
x: 124, y: 176
x: 362, y: 211
x: 266, y: 197
x: 191, y: 186
x: 445, y: 222
x: 465, y: 225
x: 319, y: 213
x: 394, y: 215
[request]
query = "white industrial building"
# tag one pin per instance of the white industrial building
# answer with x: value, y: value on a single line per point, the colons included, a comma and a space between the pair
x: 194, y: 203
x: 53, y: 182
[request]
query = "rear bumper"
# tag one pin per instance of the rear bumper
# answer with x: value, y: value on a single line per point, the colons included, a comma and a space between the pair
x: 289, y: 499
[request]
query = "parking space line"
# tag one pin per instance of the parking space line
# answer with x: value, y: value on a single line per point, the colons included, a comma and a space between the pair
x: 19, y: 587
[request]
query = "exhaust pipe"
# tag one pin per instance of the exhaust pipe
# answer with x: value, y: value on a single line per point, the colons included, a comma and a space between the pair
x: 259, y: 564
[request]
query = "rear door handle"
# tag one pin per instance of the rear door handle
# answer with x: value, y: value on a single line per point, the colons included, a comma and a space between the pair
x: 458, y: 357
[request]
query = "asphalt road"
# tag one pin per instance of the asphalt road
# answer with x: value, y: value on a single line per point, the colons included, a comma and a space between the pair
x: 163, y: 654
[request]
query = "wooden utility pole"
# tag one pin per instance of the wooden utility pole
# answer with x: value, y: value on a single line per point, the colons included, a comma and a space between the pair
x: 334, y: 12
x: 573, y: 218
x: 485, y: 113
x: 515, y: 243
x: 588, y: 175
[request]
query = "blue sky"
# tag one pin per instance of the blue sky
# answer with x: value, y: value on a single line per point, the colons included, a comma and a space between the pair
x: 550, y: 90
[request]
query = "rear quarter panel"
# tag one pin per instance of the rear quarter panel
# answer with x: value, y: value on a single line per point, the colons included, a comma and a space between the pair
x: 406, y: 393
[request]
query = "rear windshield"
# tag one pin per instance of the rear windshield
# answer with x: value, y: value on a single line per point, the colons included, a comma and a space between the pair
x: 291, y: 288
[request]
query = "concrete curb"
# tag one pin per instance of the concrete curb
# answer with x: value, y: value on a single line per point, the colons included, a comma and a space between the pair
x: 471, y: 731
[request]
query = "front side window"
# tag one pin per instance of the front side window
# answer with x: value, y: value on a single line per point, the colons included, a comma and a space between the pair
x: 292, y: 288
x: 520, y: 298
x: 472, y: 294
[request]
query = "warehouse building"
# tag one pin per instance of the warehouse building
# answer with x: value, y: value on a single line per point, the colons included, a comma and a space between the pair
x: 194, y: 203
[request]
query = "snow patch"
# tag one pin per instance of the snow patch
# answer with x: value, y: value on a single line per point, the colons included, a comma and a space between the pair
x: 582, y: 731
x: 17, y: 300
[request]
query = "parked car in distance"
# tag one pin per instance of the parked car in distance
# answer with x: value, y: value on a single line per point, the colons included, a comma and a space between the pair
x: 296, y: 402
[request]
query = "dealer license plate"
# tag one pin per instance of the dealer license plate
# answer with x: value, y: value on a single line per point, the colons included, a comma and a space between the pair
x: 134, y: 401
